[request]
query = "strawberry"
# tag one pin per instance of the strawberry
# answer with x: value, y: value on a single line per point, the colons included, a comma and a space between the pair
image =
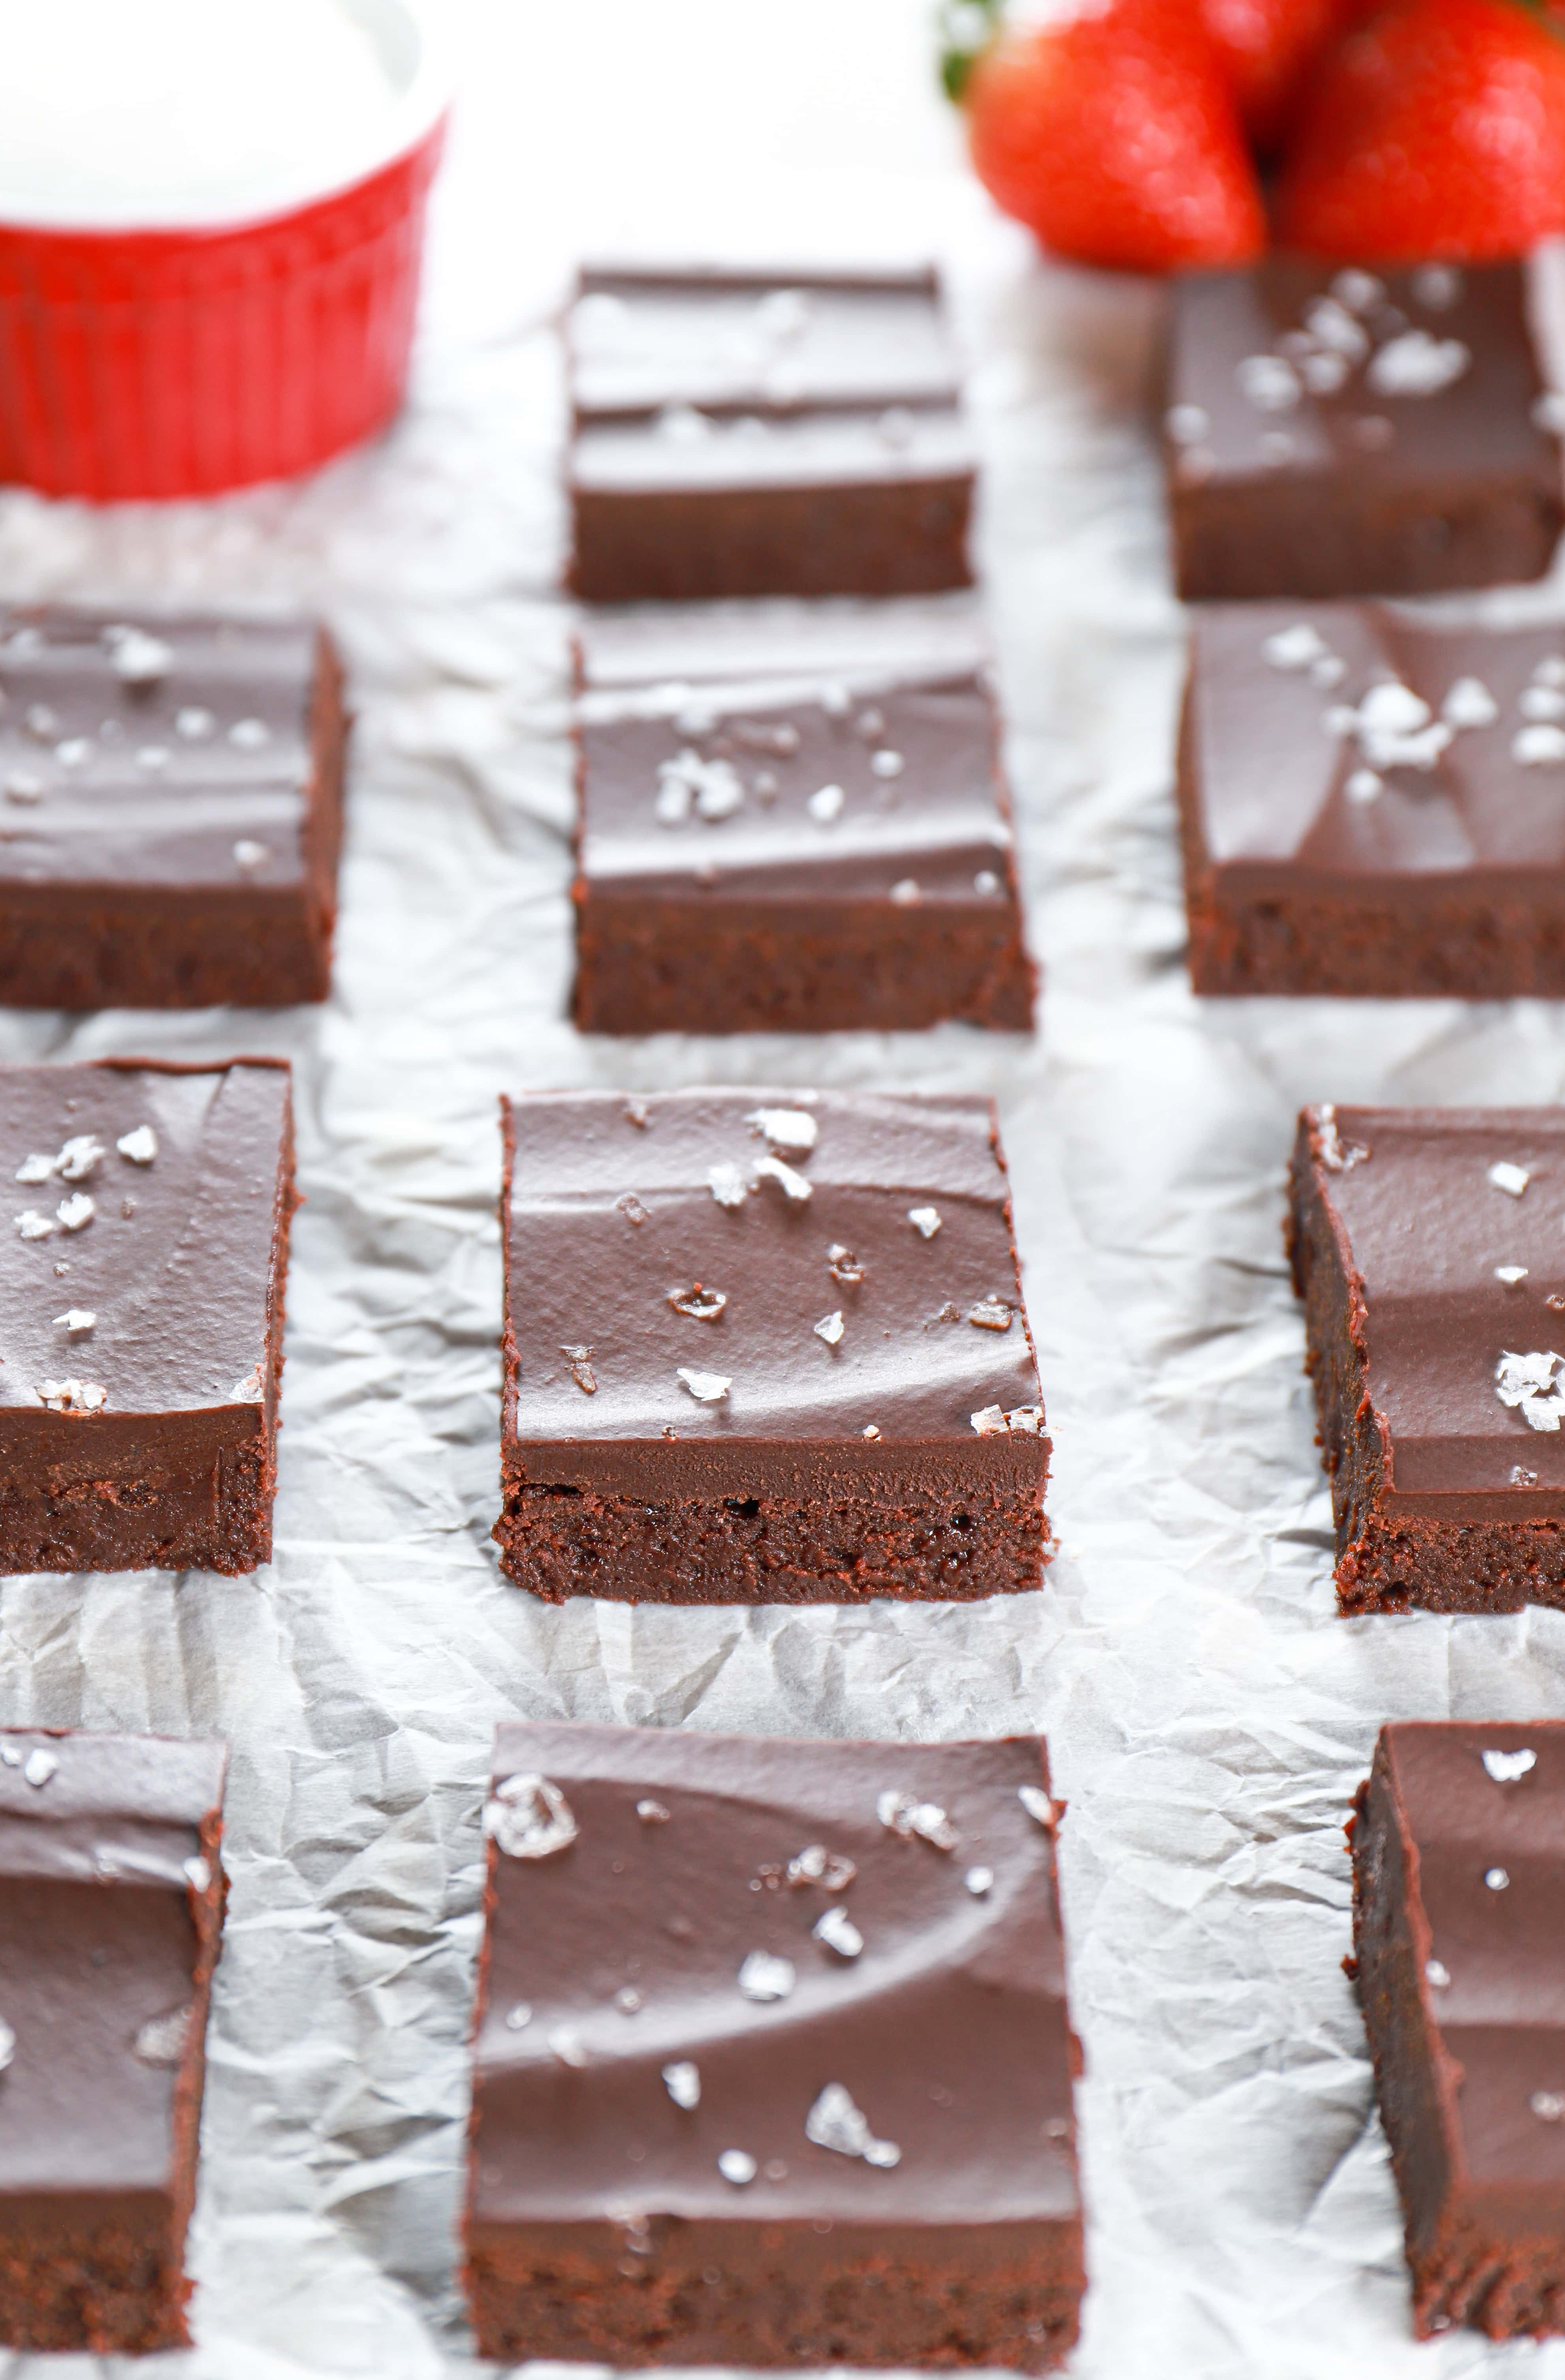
x: 1267, y: 47
x: 1434, y: 129
x: 1109, y: 130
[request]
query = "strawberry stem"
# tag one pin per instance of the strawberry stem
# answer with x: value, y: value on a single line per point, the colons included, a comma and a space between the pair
x: 1543, y: 13
x: 966, y: 29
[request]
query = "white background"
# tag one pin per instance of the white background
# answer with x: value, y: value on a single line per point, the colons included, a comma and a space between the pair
x: 1208, y: 1714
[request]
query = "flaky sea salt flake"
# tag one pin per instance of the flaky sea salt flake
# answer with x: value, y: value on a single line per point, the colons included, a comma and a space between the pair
x: 1509, y: 1767
x: 903, y: 1813
x: 1538, y: 748
x: 1268, y: 383
x: 75, y: 1214
x: 793, y: 1186
x: 1511, y: 1179
x: 250, y: 734
x: 682, y: 2081
x: 1496, y: 1878
x: 990, y: 1313
x: 707, y: 1388
x: 1549, y: 2107
x: 139, y: 659
x: 844, y: 1265
x: 1037, y: 1804
x: 36, y: 1169
x: 839, y: 1933
x: 1469, y: 703
x: 793, y: 1128
x: 161, y: 2041
x: 1417, y: 364
x: 829, y: 1328
x: 726, y: 1183
x: 79, y: 1157
x: 76, y: 1319
x: 580, y: 1362
x: 527, y: 1818
x: 925, y: 1220
x: 980, y: 1881
x: 825, y: 805
x: 738, y: 2167
x: 766, y: 1977
x: 39, y: 1768
x: 1438, y: 1975
x: 72, y: 1396
x: 1295, y: 649
x: 1338, y: 1156
x: 835, y: 2122
x: 631, y: 1207
x: 140, y: 1146
x: 31, y: 1225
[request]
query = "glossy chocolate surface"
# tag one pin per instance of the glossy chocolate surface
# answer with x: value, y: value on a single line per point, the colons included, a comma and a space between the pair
x: 106, y: 1844
x: 717, y: 381
x: 612, y: 1214
x: 172, y: 1257
x: 1334, y: 742
x: 1433, y: 371
x: 620, y: 1955
x: 1493, y: 1988
x: 1429, y: 1234
x: 173, y: 753
x: 816, y: 751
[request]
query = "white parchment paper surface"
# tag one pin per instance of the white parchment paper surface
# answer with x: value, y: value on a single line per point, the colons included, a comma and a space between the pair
x: 1208, y: 1716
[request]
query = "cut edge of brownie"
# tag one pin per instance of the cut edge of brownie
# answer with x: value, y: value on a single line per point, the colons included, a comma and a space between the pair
x: 111, y: 1525
x: 1390, y: 1558
x: 756, y: 1547
x: 104, y: 2287
x: 965, y: 2298
x: 797, y: 966
x: 1461, y: 2273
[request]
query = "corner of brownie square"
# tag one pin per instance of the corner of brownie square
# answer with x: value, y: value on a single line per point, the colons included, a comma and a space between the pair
x: 765, y: 433
x: 141, y: 1288
x: 765, y: 1346
x: 1459, y: 1934
x: 172, y: 794
x: 772, y: 2060
x: 794, y: 818
x: 1335, y: 431
x: 111, y: 1915
x: 1369, y: 802
x: 1427, y: 1248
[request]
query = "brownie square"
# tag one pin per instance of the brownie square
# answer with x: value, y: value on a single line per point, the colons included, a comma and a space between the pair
x: 1370, y: 804
x: 1459, y: 1936
x: 1332, y: 433
x: 111, y: 1912
x: 141, y: 1282
x: 765, y: 1346
x: 772, y: 2060
x: 765, y: 434
x: 170, y: 811
x: 794, y: 818
x: 1425, y: 1244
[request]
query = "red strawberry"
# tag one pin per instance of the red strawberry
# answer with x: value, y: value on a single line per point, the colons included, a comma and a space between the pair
x: 1437, y: 128
x: 1268, y: 47
x: 1111, y: 131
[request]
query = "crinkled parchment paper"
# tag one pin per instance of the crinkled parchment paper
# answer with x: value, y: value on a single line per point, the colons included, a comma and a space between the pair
x: 1208, y: 1716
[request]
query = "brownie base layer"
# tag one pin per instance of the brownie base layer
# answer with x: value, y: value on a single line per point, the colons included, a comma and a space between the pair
x: 894, y: 538
x: 1395, y: 1553
x: 105, y: 2287
x: 909, y: 2301
x: 1510, y: 2286
x: 668, y: 967
x: 1297, y: 541
x: 1476, y: 944
x: 561, y: 1541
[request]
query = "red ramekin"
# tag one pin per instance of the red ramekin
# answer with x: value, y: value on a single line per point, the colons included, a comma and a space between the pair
x: 182, y: 359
